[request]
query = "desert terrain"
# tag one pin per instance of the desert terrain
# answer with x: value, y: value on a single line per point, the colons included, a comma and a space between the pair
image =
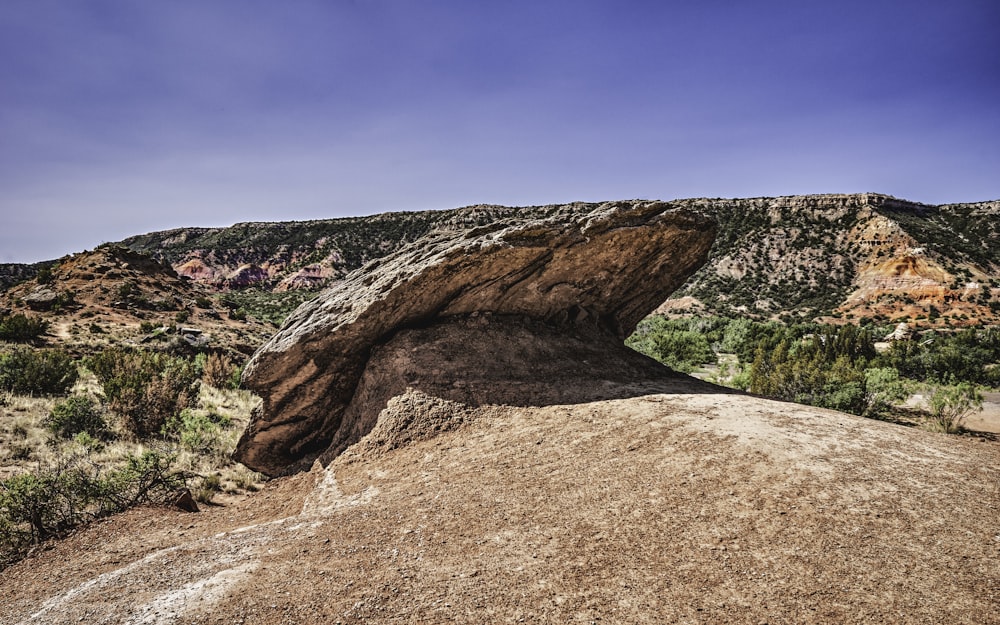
x: 677, y: 502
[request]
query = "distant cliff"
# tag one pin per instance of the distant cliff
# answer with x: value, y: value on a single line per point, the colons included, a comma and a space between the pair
x: 835, y: 257
x: 299, y: 254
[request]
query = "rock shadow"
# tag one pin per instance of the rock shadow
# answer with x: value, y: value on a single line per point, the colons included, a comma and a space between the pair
x: 488, y: 360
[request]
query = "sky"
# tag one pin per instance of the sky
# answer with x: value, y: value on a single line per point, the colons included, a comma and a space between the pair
x: 120, y: 117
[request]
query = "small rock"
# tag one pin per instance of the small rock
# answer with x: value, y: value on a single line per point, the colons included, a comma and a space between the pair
x: 186, y: 502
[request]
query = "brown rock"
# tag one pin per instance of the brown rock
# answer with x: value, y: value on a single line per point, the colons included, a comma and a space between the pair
x: 246, y: 275
x: 186, y: 502
x: 41, y: 298
x: 602, y: 267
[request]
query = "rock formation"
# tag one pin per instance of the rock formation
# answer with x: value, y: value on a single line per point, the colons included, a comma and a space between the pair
x: 592, y: 271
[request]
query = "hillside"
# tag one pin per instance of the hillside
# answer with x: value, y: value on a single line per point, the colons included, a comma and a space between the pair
x: 849, y: 257
x: 301, y: 254
x: 829, y: 257
x: 114, y: 295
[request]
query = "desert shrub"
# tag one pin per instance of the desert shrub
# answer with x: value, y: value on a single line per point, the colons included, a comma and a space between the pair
x: 951, y: 404
x: 20, y: 328
x: 196, y: 431
x: 246, y: 479
x: 53, y: 500
x: 218, y: 371
x: 147, y: 477
x: 203, y: 302
x: 44, y: 275
x: 145, y: 388
x: 27, y: 371
x: 88, y: 442
x: 77, y: 414
x: 883, y: 389
x: 207, y: 487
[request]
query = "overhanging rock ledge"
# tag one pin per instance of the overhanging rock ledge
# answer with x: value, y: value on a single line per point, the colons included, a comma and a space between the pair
x: 604, y: 266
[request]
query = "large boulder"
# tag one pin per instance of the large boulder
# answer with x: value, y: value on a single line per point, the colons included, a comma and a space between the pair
x: 603, y: 267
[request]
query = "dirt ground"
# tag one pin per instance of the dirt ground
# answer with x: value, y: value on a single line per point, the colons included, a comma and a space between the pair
x: 989, y: 419
x: 679, y: 506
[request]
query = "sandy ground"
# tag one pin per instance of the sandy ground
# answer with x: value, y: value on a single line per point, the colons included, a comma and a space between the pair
x: 989, y: 419
x: 678, y: 507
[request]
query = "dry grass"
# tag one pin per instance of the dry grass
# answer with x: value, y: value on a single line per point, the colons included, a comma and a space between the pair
x: 26, y: 444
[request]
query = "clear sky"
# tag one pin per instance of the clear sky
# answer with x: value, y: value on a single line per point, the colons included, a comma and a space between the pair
x: 120, y: 117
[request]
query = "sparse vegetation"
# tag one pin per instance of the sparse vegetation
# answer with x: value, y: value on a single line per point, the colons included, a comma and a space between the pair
x: 87, y: 459
x: 27, y: 371
x: 145, y: 388
x: 272, y: 307
x: 53, y: 499
x: 20, y: 328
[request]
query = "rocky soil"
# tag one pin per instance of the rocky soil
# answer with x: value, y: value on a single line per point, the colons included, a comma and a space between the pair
x: 673, y: 502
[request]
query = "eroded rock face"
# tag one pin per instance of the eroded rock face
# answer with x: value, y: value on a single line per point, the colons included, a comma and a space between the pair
x: 600, y: 266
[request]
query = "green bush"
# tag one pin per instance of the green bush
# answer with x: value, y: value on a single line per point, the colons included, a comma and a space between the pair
x: 951, y: 404
x: 27, y: 371
x: 670, y: 342
x: 207, y: 486
x: 145, y: 388
x: 20, y: 328
x: 44, y: 275
x: 195, y: 431
x: 53, y: 500
x: 883, y: 389
x: 76, y: 414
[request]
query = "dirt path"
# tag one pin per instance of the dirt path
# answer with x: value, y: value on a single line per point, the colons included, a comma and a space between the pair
x: 685, y: 508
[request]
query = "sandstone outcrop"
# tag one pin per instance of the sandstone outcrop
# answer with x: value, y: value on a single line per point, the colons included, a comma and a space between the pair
x: 596, y: 269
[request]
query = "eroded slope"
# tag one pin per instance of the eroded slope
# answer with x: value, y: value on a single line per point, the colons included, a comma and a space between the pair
x: 668, y: 504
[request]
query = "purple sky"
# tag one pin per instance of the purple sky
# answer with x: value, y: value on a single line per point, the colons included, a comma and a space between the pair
x: 120, y: 117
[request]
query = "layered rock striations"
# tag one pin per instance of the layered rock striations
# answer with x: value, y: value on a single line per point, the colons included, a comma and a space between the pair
x: 848, y: 257
x: 596, y: 269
